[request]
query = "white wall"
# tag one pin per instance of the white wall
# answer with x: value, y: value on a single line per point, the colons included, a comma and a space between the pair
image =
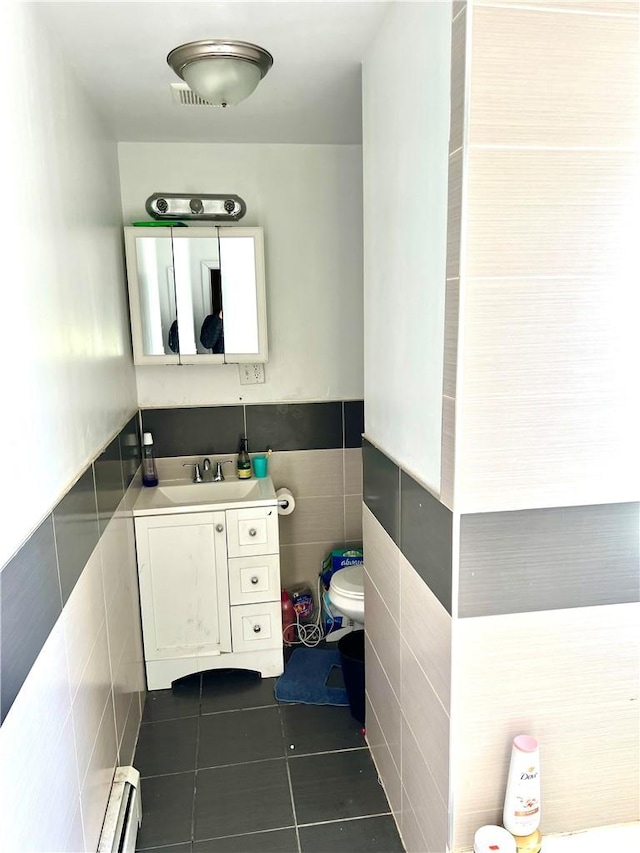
x: 405, y: 147
x: 68, y: 383
x: 308, y: 199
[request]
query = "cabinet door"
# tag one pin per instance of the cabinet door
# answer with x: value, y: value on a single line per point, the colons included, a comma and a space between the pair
x: 184, y: 590
x: 152, y: 296
x: 243, y: 294
x: 196, y: 256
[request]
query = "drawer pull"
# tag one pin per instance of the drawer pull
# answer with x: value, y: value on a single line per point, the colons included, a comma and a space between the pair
x: 257, y: 629
x: 255, y: 579
x: 252, y: 531
x: 219, y: 528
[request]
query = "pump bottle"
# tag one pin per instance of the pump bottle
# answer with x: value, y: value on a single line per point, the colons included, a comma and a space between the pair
x: 149, y: 470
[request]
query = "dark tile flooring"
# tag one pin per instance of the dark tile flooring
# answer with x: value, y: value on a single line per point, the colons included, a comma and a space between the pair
x: 227, y: 769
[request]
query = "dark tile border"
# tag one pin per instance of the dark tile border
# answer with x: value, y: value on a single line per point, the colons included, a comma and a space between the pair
x: 194, y: 431
x: 294, y: 426
x: 30, y: 603
x: 510, y: 562
x: 76, y: 524
x: 130, y: 449
x: 549, y: 559
x: 381, y: 488
x: 203, y: 430
x: 419, y: 524
x: 107, y: 470
x: 353, y: 419
x: 426, y: 537
x: 38, y: 580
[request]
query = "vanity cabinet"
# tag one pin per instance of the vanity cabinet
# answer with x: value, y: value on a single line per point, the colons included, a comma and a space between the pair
x: 209, y: 592
x: 197, y: 294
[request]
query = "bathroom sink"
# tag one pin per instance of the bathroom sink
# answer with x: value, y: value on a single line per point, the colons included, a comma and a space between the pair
x: 197, y: 493
x: 176, y: 496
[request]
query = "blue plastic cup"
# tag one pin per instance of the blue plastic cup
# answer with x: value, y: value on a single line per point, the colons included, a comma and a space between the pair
x: 259, y: 466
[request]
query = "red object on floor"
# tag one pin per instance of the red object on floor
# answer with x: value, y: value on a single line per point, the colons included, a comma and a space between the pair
x: 288, y: 618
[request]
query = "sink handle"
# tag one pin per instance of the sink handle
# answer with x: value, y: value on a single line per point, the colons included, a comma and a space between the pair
x: 197, y: 473
x: 219, y: 476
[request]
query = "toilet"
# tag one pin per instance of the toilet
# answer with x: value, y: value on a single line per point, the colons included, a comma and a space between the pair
x: 346, y: 594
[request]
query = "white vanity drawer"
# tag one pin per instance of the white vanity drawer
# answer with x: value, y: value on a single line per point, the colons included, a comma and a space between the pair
x: 256, y: 626
x: 254, y: 579
x: 253, y: 531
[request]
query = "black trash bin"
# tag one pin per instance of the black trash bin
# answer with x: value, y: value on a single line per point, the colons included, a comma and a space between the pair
x: 351, y: 648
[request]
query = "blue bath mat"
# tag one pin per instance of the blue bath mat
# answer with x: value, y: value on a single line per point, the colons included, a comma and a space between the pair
x: 305, y: 678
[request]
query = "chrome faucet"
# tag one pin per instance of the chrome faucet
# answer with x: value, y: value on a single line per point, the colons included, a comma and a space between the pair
x: 218, y: 477
x: 197, y: 473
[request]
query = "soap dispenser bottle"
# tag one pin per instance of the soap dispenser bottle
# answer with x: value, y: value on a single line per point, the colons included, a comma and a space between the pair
x: 243, y: 465
x: 149, y: 470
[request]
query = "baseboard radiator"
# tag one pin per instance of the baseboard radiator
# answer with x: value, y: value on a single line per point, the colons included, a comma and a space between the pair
x: 124, y: 813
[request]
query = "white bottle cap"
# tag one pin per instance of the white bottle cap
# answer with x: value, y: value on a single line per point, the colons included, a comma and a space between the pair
x: 493, y: 839
x: 147, y: 438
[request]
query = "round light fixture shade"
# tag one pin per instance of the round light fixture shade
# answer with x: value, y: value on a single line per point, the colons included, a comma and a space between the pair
x: 221, y: 72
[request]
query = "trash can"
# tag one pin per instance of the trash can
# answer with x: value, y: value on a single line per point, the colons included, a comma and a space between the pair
x: 351, y: 648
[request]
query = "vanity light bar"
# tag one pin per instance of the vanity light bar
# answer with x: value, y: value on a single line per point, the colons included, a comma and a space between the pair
x: 178, y: 206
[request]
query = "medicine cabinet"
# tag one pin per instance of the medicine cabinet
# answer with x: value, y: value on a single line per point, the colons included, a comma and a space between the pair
x: 196, y: 294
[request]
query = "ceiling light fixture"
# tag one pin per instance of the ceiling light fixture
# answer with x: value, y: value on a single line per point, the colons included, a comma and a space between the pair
x: 222, y: 72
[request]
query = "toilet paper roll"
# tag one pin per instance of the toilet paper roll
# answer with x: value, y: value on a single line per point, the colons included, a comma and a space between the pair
x: 286, y: 502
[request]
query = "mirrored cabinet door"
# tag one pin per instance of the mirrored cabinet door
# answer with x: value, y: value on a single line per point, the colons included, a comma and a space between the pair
x: 243, y: 294
x: 197, y: 295
x: 152, y: 296
x: 196, y: 261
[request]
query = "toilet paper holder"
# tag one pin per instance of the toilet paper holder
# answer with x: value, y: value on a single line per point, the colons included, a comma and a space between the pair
x: 285, y: 501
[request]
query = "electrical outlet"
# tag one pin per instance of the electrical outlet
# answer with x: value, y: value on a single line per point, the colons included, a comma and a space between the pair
x: 251, y: 374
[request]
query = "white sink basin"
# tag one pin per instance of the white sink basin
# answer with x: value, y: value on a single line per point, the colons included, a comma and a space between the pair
x: 197, y: 493
x: 175, y: 496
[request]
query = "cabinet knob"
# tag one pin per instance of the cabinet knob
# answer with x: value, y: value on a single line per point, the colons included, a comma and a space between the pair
x: 219, y: 527
x: 257, y: 629
x: 254, y: 580
x: 252, y: 531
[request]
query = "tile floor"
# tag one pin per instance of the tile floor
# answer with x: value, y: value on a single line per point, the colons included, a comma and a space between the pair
x: 227, y: 769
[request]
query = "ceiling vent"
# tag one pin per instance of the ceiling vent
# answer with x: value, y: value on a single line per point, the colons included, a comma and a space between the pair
x: 181, y: 94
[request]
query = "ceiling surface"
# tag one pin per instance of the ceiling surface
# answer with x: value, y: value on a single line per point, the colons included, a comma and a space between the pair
x: 311, y: 95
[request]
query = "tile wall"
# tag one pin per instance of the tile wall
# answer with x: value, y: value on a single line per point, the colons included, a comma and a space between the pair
x: 316, y: 454
x: 548, y: 643
x: 456, y: 221
x: 547, y: 254
x: 571, y: 680
x: 509, y: 604
x: 408, y: 647
x: 548, y: 559
x: 540, y: 458
x: 71, y: 669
